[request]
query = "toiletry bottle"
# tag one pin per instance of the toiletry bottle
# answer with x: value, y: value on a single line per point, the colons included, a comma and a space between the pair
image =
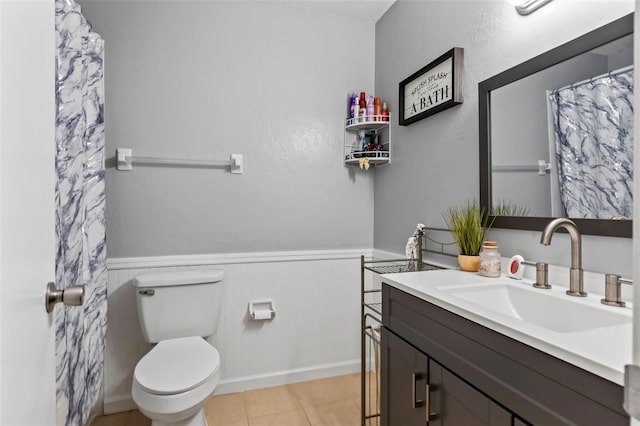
x: 385, y: 112
x: 352, y: 104
x: 490, y: 260
x: 363, y: 107
x: 376, y: 109
x: 363, y: 114
x: 359, y: 143
x: 356, y: 113
x: 370, y: 108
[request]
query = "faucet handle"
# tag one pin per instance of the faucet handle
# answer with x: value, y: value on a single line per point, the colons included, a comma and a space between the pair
x: 612, y: 294
x: 542, y: 276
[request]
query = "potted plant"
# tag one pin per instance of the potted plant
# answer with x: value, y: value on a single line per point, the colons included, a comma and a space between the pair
x: 468, y: 224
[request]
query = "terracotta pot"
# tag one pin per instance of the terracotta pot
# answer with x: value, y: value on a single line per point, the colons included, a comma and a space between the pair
x: 469, y: 263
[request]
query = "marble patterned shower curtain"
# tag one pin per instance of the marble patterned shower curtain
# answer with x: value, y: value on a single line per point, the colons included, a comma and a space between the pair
x: 80, y: 213
x: 593, y: 126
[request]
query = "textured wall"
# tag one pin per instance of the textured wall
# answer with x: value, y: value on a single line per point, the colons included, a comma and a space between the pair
x: 314, y: 333
x: 435, y: 163
x: 194, y: 79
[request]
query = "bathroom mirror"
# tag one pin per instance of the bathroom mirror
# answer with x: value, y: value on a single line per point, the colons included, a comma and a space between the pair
x: 549, y: 147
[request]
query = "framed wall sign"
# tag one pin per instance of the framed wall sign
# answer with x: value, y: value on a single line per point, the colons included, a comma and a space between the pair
x: 431, y: 89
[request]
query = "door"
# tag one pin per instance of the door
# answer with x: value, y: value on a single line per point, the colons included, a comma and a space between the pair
x: 404, y: 378
x: 414, y: 385
x: 27, y: 236
x: 456, y: 403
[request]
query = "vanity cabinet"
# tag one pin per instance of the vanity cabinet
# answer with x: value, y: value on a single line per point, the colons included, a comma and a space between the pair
x: 466, y: 374
x: 407, y: 382
x: 456, y: 403
x: 420, y: 390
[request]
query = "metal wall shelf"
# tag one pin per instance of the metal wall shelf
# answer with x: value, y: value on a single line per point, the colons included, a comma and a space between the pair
x: 354, y: 128
x: 375, y: 157
x: 371, y: 322
x: 368, y: 122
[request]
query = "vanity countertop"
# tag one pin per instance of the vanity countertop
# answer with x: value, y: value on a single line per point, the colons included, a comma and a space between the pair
x: 603, y: 348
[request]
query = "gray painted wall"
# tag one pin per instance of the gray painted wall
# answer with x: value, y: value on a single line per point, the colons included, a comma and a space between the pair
x: 435, y: 161
x: 195, y: 79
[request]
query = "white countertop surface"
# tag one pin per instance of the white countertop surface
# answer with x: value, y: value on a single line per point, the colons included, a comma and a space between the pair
x: 603, y: 351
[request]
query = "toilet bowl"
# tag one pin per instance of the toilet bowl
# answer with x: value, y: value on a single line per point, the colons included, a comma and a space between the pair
x: 176, y: 311
x: 172, y: 382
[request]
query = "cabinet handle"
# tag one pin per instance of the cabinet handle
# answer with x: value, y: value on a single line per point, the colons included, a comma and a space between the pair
x: 428, y: 415
x: 414, y: 379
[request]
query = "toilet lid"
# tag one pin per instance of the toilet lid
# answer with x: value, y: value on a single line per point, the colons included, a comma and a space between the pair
x: 177, y: 365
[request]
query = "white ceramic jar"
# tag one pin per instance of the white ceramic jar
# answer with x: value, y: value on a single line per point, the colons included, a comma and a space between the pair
x: 490, y: 260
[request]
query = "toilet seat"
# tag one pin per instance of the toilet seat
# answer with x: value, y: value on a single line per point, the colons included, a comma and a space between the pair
x: 176, y: 366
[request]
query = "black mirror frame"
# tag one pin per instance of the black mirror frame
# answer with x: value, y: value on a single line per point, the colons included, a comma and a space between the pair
x: 598, y: 37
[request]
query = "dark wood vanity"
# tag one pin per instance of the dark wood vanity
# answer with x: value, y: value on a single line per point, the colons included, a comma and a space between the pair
x: 441, y: 368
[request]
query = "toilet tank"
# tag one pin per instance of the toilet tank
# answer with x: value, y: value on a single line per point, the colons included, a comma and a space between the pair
x: 179, y: 303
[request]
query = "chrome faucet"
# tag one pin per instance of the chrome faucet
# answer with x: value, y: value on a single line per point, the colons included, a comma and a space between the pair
x: 576, y: 284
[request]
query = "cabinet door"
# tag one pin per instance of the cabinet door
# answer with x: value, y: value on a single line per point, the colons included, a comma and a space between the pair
x: 404, y: 379
x: 455, y: 403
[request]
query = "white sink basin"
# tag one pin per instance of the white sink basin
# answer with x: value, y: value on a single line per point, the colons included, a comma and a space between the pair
x: 578, y: 330
x: 552, y: 310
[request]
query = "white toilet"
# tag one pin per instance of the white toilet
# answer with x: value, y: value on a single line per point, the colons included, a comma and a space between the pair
x: 176, y: 310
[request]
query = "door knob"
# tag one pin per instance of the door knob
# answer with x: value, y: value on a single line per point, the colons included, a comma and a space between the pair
x: 70, y: 296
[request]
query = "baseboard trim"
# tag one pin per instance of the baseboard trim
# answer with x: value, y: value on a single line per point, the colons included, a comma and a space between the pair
x: 233, y: 258
x: 121, y: 403
x: 285, y: 377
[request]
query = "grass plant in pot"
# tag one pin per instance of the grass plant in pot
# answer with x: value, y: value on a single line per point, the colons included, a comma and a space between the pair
x: 468, y: 224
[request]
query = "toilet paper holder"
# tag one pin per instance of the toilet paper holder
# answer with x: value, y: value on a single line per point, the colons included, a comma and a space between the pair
x: 260, y: 310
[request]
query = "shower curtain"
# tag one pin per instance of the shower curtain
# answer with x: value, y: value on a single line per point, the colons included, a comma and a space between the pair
x: 593, y: 127
x: 80, y: 213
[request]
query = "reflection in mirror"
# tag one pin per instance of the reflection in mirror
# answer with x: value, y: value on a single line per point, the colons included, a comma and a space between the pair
x: 561, y: 139
x: 556, y: 136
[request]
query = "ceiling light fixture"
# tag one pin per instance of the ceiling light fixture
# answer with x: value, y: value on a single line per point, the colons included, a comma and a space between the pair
x: 525, y: 7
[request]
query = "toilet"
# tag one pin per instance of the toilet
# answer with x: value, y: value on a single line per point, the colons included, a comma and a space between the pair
x: 176, y: 311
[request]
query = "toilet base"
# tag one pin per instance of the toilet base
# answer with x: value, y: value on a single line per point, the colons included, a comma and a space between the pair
x: 199, y: 419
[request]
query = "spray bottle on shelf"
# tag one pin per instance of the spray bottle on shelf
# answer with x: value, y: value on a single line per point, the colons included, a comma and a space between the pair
x: 363, y: 114
x: 356, y: 113
x: 376, y: 109
x: 370, y: 108
x: 352, y: 104
x: 385, y: 112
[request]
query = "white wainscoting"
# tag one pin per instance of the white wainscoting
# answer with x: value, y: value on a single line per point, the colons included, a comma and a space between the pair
x: 314, y: 334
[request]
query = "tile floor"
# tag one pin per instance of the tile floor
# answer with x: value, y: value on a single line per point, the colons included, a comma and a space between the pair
x: 334, y: 401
